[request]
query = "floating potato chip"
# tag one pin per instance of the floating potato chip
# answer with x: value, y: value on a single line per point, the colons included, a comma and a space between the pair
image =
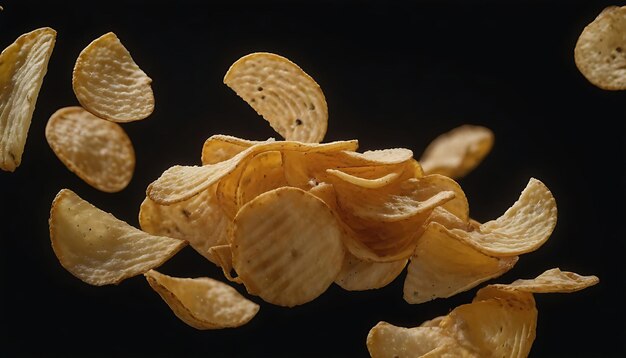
x: 364, y: 182
x: 96, y: 150
x: 219, y: 148
x: 108, y: 83
x: 198, y: 220
x: 289, y: 99
x: 287, y: 246
x: 179, y: 183
x: 553, y: 280
x: 98, y: 248
x: 23, y: 66
x: 443, y: 266
x: 600, y: 52
x: 223, y: 256
x: 457, y: 152
x: 203, y: 303
x: 523, y: 228
x: 359, y: 275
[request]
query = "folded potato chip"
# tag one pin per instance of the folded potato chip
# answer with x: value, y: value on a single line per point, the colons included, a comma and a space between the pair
x: 23, y: 66
x: 98, y: 248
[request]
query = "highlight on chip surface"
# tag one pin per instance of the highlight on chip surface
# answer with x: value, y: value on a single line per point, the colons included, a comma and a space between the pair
x: 600, y: 52
x: 203, y: 303
x: 97, y: 150
x: 100, y: 249
x: 108, y: 83
x: 457, y: 152
x: 280, y: 91
x: 287, y: 246
x: 23, y: 65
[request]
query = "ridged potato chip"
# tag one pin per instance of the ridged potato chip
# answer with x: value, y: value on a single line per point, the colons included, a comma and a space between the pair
x: 553, y: 280
x: 98, y: 248
x: 23, y: 66
x: 442, y: 266
x: 198, y: 220
x: 287, y: 246
x: 600, y: 52
x: 280, y: 91
x: 359, y: 275
x: 218, y: 148
x: 97, y: 150
x: 203, y: 303
x: 457, y: 152
x: 108, y: 83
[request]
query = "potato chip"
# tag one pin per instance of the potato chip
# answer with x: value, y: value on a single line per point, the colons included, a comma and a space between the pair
x: 359, y: 275
x: 219, y: 148
x: 23, y: 66
x: 443, y: 266
x: 98, y: 248
x: 447, y: 219
x: 289, y: 99
x: 457, y: 152
x: 553, y: 280
x: 96, y: 150
x: 364, y: 182
x: 523, y: 228
x: 198, y: 220
x: 223, y: 256
x: 108, y: 83
x: 287, y: 246
x: 600, y: 50
x: 263, y: 173
x: 203, y: 303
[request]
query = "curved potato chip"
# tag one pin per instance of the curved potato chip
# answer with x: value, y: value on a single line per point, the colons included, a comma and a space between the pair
x: 108, y: 83
x: 218, y: 148
x: 223, y: 256
x: 600, y: 50
x: 364, y: 182
x: 523, y: 228
x: 198, y: 220
x: 447, y: 219
x: 553, y: 280
x: 23, y: 66
x: 434, y: 183
x: 98, y: 248
x: 96, y: 150
x: 263, y: 173
x: 287, y: 246
x: 280, y: 91
x: 443, y: 266
x: 457, y: 152
x: 359, y: 275
x: 203, y: 303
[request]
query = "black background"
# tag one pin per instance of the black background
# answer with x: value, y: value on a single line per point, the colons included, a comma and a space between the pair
x: 393, y: 76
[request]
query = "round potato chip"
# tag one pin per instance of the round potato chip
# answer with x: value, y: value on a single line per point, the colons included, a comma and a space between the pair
x: 219, y: 148
x: 98, y: 248
x: 280, y: 91
x: 96, y: 150
x: 108, y: 83
x: 457, y: 152
x: 203, y: 303
x: 553, y: 280
x: 600, y: 52
x: 359, y: 275
x: 23, y: 66
x: 287, y: 246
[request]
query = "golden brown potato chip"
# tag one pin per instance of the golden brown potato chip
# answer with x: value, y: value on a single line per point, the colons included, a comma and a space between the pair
x: 96, y: 150
x: 108, y: 83
x: 443, y: 266
x: 203, y: 303
x: 198, y: 220
x: 23, y: 66
x: 287, y: 246
x: 223, y: 256
x: 447, y: 219
x: 600, y: 52
x: 523, y: 228
x: 219, y: 148
x: 289, y: 99
x: 98, y: 248
x: 359, y: 275
x: 364, y: 182
x: 553, y: 280
x: 263, y: 173
x: 457, y: 152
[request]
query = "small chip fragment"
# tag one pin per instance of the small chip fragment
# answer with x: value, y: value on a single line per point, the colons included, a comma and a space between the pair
x: 108, y: 83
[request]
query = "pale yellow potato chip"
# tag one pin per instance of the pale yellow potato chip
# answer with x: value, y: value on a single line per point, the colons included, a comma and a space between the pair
x: 447, y: 219
x: 359, y: 275
x: 553, y: 280
x: 179, y: 183
x: 264, y: 172
x: 203, y: 303
x: 457, y: 152
x: 198, y: 220
x: 382, y: 156
x: 23, y: 66
x: 218, y: 148
x: 434, y: 183
x: 364, y: 182
x: 98, y: 248
x: 523, y: 228
x: 600, y: 52
x: 287, y: 246
x: 280, y: 91
x: 442, y: 266
x: 97, y: 150
x: 108, y: 83
x: 223, y: 256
